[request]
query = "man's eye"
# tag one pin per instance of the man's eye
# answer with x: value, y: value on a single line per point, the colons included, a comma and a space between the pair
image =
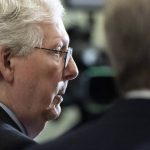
x: 57, y: 52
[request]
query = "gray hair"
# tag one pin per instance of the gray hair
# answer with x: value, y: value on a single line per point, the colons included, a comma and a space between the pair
x: 19, y: 22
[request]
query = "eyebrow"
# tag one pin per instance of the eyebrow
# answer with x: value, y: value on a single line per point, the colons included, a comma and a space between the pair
x: 64, y: 42
x: 60, y: 42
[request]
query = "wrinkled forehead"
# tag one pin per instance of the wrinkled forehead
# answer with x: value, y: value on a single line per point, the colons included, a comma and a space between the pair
x: 55, y: 35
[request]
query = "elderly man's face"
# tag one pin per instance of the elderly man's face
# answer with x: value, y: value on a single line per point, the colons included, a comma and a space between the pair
x: 40, y: 79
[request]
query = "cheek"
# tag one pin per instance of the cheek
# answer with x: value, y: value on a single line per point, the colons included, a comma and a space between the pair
x: 52, y: 72
x: 37, y: 81
x: 48, y: 79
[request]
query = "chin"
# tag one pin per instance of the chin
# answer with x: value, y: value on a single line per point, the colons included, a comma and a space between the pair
x: 52, y: 113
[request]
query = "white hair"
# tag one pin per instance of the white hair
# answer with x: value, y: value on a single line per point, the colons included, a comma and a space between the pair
x: 20, y: 19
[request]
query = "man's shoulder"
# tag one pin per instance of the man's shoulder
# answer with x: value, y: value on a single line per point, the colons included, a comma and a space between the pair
x: 121, y: 127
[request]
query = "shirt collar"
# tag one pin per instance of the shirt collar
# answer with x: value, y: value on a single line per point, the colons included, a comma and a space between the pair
x: 138, y: 94
x: 13, y: 117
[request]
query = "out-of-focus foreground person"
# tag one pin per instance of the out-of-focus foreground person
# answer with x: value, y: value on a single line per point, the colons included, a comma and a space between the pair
x: 35, y: 66
x: 126, y: 126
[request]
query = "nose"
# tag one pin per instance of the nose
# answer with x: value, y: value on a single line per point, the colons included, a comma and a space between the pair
x: 71, y: 71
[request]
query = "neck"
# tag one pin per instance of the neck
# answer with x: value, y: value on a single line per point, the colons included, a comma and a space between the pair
x: 33, y: 128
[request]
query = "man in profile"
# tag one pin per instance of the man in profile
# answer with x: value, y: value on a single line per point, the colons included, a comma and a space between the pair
x: 126, y: 126
x: 36, y: 64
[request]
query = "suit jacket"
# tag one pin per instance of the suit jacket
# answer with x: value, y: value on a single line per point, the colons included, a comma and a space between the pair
x: 126, y: 126
x: 11, y: 137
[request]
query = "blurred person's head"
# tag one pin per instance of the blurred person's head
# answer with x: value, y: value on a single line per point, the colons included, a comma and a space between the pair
x: 127, y: 30
x: 35, y: 61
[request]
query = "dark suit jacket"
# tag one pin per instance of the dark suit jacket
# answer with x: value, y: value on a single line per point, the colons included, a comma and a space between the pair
x: 126, y: 126
x: 11, y: 137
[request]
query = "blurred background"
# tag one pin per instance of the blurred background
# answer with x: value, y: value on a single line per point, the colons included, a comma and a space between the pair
x: 90, y: 95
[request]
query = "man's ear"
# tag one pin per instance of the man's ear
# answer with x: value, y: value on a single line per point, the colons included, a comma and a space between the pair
x: 6, y: 69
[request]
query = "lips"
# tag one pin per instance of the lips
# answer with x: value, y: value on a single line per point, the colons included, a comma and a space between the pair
x: 54, y: 109
x: 58, y: 99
